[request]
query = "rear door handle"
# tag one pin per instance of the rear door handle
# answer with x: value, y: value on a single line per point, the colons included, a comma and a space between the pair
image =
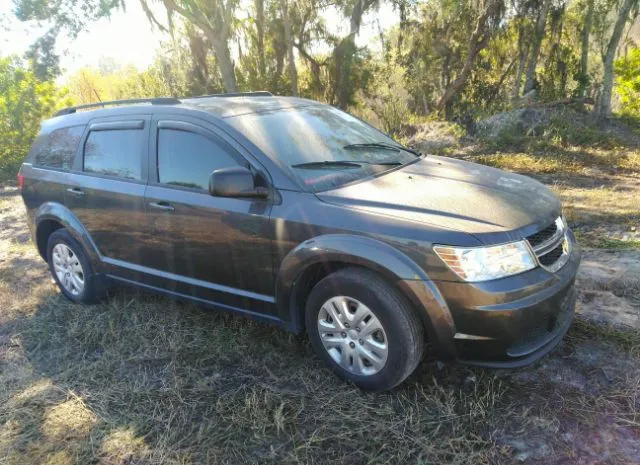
x: 75, y: 191
x: 166, y: 206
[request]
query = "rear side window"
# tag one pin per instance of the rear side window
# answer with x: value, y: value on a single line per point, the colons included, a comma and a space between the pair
x: 58, y: 149
x: 114, y: 152
x: 187, y: 159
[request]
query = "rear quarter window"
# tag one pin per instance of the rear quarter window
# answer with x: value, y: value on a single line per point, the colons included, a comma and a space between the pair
x: 58, y: 149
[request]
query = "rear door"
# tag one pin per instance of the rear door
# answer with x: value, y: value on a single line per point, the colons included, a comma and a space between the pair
x: 106, y: 187
x: 214, y: 248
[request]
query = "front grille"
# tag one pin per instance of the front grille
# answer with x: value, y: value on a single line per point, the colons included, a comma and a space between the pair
x: 542, y: 236
x: 550, y: 246
x: 551, y: 257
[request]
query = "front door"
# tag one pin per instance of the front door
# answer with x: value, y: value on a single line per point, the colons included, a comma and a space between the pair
x: 212, y: 248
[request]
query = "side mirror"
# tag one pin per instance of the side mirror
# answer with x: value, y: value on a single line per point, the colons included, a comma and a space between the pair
x: 235, y: 182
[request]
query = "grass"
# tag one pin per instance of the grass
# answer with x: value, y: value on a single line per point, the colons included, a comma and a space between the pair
x: 139, y: 379
x: 161, y: 382
x: 599, y: 184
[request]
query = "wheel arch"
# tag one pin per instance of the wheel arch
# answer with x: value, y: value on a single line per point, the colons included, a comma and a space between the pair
x: 52, y: 216
x: 316, y: 258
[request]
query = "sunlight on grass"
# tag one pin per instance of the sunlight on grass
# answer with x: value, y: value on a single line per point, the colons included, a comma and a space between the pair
x: 68, y: 420
x: 59, y: 458
x: 570, y: 160
x: 123, y: 446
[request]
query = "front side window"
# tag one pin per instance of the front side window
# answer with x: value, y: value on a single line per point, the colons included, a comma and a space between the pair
x: 323, y: 146
x: 59, y: 148
x: 187, y: 159
x: 115, y: 153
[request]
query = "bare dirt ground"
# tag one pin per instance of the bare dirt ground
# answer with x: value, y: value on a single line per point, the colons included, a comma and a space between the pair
x: 139, y: 379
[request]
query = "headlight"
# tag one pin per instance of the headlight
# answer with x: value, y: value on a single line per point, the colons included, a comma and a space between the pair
x: 485, y: 263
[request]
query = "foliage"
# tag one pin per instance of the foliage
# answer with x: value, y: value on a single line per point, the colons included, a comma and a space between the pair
x: 458, y: 59
x: 386, y: 99
x: 627, y: 70
x: 24, y: 102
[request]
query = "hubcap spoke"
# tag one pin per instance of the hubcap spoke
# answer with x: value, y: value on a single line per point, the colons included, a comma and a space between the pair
x: 353, y: 336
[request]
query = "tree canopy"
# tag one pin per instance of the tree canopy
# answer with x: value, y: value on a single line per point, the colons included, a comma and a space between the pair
x: 457, y: 58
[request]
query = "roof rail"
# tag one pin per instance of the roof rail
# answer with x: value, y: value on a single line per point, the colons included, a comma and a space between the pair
x: 258, y: 93
x: 152, y: 101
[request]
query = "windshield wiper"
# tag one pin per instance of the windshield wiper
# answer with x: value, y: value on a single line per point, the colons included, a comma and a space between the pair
x: 381, y: 145
x: 328, y: 164
x: 344, y: 163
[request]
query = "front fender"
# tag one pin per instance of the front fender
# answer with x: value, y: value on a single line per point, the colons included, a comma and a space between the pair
x: 61, y: 214
x: 376, y: 255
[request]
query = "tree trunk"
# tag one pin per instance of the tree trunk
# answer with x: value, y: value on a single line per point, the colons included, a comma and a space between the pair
x: 402, y: 6
x: 584, y: 55
x: 262, y: 66
x: 604, y: 107
x: 344, y: 53
x: 541, y: 24
x: 523, y: 52
x: 291, y: 58
x: 223, y: 58
x: 199, y: 70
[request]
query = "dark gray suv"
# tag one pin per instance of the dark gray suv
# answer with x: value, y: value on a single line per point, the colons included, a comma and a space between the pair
x: 295, y: 213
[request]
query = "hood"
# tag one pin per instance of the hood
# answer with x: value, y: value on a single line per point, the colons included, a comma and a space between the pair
x: 453, y: 194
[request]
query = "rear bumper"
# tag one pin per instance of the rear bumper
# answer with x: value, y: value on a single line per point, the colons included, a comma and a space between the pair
x: 515, y: 321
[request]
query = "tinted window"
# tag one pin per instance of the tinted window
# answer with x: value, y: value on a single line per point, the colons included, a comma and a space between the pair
x: 320, y: 133
x: 187, y: 159
x: 57, y: 150
x: 114, y: 153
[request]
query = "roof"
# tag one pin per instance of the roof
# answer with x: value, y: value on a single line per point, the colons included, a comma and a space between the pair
x: 235, y: 106
x: 219, y: 105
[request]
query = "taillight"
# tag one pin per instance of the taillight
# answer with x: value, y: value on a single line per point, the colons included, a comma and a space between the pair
x: 20, y: 180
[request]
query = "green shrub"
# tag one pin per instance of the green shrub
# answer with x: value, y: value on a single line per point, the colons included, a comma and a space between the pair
x: 24, y: 102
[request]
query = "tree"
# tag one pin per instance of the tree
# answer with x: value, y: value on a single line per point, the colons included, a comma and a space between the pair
x: 24, y: 101
x: 488, y: 19
x: 627, y: 70
x: 584, y: 50
x: 344, y: 52
x: 259, y: 19
x: 603, y: 109
x: 538, y: 35
x: 42, y: 58
x: 215, y: 19
x: 291, y: 58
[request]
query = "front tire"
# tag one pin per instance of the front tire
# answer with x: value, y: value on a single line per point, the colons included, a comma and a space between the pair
x: 71, y: 269
x: 364, y: 329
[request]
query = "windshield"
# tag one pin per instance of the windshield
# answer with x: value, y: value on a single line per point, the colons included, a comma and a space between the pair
x: 321, y: 144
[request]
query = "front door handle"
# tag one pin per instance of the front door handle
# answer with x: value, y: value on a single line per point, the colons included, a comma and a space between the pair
x: 166, y: 206
x: 75, y: 191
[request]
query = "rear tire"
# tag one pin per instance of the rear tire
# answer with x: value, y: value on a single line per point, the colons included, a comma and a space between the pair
x: 71, y: 269
x: 364, y: 329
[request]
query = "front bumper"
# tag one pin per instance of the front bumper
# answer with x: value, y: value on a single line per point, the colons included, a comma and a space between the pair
x: 514, y: 321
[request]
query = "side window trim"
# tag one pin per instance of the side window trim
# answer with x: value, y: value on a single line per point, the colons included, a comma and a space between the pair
x: 115, y: 125
x: 141, y: 122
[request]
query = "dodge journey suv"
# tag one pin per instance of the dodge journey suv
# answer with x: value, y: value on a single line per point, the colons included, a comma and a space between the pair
x: 298, y: 214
